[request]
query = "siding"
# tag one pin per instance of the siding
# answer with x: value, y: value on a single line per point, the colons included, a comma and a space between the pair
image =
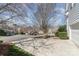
x: 75, y: 36
x: 73, y: 23
x: 74, y: 14
x: 75, y: 26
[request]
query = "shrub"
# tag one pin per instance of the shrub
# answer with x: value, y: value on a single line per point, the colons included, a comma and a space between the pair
x: 62, y: 29
x: 62, y: 32
x: 56, y: 34
x: 16, y: 33
x: 62, y: 35
x: 22, y: 33
x: 1, y: 41
x: 2, y: 32
x: 16, y: 51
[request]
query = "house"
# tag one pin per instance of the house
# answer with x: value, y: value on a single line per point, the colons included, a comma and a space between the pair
x: 24, y: 29
x: 73, y: 23
x: 8, y: 27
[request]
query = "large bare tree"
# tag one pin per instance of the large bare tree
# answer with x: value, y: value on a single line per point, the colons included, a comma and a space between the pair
x: 42, y: 15
x: 44, y: 10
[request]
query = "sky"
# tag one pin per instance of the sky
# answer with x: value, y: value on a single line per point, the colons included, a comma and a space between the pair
x: 59, y: 14
x: 59, y: 9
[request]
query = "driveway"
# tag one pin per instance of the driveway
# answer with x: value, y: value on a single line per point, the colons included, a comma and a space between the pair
x: 44, y: 47
x: 50, y: 47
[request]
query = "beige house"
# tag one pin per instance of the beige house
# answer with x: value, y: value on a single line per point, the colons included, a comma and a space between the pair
x: 73, y: 23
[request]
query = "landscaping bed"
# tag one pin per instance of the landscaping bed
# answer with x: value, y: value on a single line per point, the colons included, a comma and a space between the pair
x: 12, y: 50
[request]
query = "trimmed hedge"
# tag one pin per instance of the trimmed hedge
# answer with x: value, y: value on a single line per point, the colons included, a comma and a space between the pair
x: 62, y: 35
x: 62, y: 32
x: 16, y: 51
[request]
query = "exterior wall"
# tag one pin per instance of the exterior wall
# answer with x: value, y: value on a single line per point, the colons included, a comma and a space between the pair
x: 75, y: 33
x: 73, y: 24
x: 75, y: 36
x: 74, y: 14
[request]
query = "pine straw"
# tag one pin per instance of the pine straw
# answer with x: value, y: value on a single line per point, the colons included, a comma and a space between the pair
x: 4, y: 49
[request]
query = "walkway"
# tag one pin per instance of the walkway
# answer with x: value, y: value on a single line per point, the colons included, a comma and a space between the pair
x: 45, y: 47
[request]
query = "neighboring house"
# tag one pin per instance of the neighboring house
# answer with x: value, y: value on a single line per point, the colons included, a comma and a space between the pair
x: 73, y: 23
x: 14, y: 28
x: 53, y: 29
x: 23, y: 29
x: 8, y: 27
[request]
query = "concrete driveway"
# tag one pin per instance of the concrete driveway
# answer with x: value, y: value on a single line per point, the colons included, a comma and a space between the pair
x: 44, y: 47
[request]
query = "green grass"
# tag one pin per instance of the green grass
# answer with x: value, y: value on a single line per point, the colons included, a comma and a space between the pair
x: 62, y: 35
x: 16, y: 51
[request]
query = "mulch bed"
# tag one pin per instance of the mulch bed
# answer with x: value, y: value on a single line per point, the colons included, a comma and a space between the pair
x: 4, y: 49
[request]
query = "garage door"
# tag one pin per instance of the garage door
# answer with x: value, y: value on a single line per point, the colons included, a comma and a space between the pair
x: 75, y: 36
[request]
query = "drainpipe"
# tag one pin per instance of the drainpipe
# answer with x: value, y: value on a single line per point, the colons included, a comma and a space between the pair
x: 68, y: 26
x: 67, y: 23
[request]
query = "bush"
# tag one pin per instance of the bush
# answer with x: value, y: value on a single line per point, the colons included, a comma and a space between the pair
x: 16, y: 51
x: 62, y: 35
x: 62, y: 29
x: 56, y: 34
x: 62, y: 32
x: 22, y: 33
x: 2, y: 32
x: 16, y: 33
x: 1, y: 41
